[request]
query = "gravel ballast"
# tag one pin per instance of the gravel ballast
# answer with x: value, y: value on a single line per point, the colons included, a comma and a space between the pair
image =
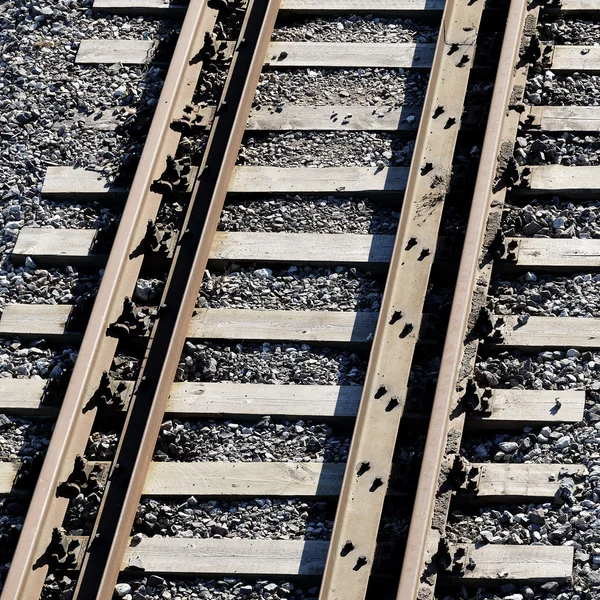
x: 20, y: 359
x: 270, y: 363
x: 553, y: 89
x: 101, y: 446
x: 309, y: 214
x: 40, y: 286
x: 548, y: 296
x: 550, y: 370
x: 479, y: 91
x: 567, y: 149
x: 346, y: 87
x: 21, y: 438
x: 326, y: 149
x: 509, y: 591
x: 257, y: 518
x: 263, y: 440
x: 47, y: 99
x: 569, y: 32
x: 125, y: 366
x: 553, y: 219
x: 81, y: 513
x: 154, y: 587
x: 12, y: 515
x: 294, y: 288
x: 356, y: 29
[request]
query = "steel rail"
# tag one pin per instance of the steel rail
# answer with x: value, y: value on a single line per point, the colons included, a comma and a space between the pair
x: 73, y: 426
x: 103, y: 560
x: 353, y: 544
x: 445, y: 430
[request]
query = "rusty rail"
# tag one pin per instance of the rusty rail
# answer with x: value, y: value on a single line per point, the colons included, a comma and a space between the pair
x: 74, y: 424
x: 103, y: 560
x: 444, y: 430
x: 353, y: 544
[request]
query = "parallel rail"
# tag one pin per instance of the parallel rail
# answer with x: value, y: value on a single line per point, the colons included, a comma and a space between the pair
x: 97, y: 350
x: 425, y: 556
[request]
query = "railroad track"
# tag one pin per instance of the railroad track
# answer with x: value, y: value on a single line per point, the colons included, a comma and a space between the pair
x: 191, y: 175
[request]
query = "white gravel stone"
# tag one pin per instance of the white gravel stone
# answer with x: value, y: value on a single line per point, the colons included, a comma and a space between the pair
x: 508, y: 447
x: 122, y: 589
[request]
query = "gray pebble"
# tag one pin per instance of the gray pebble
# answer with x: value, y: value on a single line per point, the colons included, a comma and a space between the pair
x: 254, y: 441
x: 354, y: 28
x: 326, y: 149
x: 270, y: 363
x: 365, y: 87
x: 537, y: 219
x: 258, y: 518
x: 309, y: 214
x: 292, y: 288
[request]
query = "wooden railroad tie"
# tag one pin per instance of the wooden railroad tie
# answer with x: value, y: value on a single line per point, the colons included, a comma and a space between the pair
x: 80, y: 184
x: 321, y: 327
x: 50, y: 321
x: 405, y: 55
x: 495, y: 482
x: 511, y: 409
x: 279, y: 54
x: 528, y: 564
x: 74, y: 247
x: 246, y: 557
x: 51, y: 247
